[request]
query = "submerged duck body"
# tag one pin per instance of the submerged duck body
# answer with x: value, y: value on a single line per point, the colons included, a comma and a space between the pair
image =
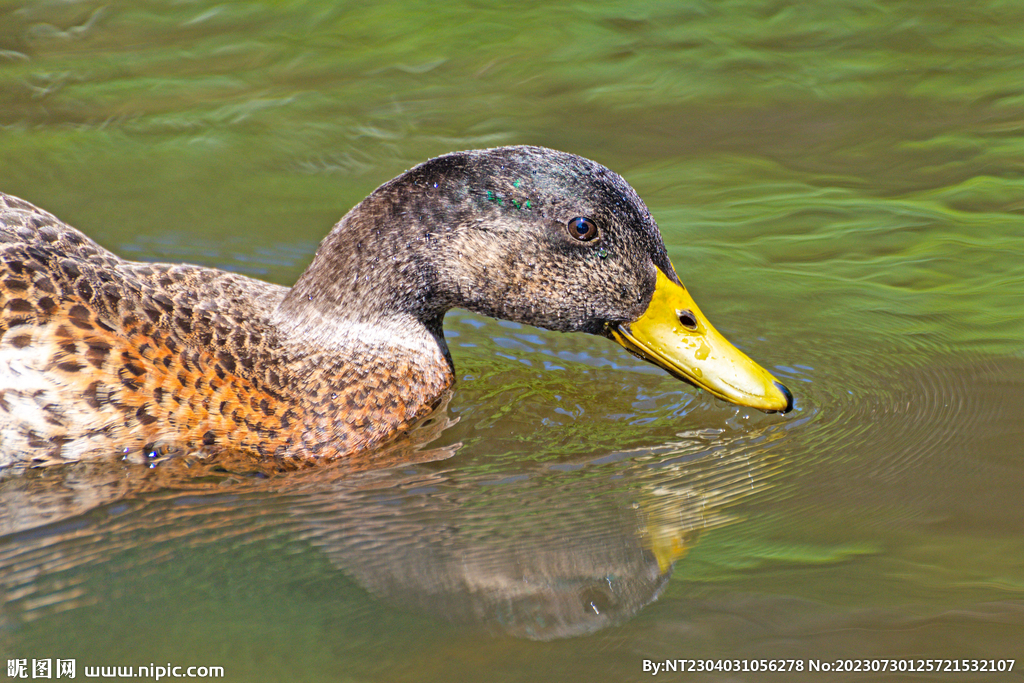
x: 100, y: 355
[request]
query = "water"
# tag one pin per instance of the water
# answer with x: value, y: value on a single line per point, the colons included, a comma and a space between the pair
x: 841, y: 188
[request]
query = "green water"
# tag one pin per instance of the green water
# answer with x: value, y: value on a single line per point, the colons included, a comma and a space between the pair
x: 840, y: 185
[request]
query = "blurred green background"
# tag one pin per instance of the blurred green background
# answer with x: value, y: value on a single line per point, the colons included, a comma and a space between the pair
x: 841, y: 185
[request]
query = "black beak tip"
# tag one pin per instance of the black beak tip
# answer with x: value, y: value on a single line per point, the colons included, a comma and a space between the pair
x: 788, y: 394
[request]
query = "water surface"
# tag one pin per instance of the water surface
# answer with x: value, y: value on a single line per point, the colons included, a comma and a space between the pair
x: 840, y: 186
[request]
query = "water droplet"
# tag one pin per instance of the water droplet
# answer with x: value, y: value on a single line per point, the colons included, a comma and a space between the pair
x: 602, y: 253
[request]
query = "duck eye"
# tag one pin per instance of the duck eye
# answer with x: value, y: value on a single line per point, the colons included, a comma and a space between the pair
x: 582, y: 228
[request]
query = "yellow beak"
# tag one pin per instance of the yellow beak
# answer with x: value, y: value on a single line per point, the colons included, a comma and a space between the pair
x: 674, y: 335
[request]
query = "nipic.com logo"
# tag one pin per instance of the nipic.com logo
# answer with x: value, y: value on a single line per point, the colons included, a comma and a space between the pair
x: 40, y: 668
x: 66, y: 668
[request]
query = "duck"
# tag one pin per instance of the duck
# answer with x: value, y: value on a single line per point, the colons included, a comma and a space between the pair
x: 102, y: 355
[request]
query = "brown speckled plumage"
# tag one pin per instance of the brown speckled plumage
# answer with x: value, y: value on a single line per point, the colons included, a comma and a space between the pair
x: 101, y: 355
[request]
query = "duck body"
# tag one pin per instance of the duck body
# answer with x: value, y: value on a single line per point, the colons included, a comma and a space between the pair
x: 99, y: 355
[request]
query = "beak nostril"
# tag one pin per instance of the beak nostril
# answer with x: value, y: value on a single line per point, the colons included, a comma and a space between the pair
x: 687, y: 319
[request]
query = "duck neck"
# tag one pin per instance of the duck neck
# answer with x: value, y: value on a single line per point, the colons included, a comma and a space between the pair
x: 353, y: 336
x: 369, y: 288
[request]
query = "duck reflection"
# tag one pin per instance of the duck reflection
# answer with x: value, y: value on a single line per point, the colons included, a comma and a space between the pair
x: 516, y: 559
x: 542, y: 551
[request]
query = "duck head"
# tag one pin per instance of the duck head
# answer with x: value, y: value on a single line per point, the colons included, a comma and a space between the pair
x: 530, y: 235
